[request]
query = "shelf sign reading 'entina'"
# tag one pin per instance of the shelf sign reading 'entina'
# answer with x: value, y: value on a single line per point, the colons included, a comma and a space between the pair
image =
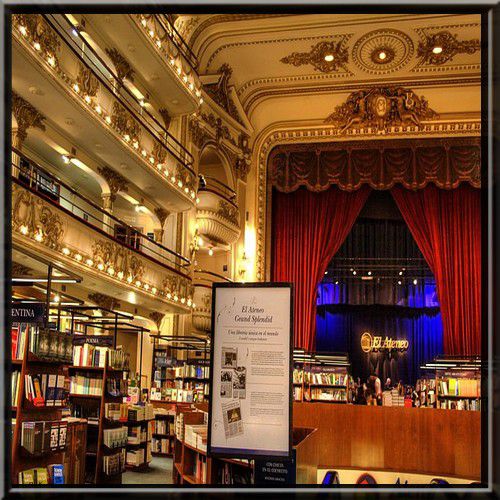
x: 370, y: 343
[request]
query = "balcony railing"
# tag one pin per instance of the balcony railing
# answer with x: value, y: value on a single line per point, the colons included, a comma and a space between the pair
x: 169, y: 29
x: 212, y: 185
x: 109, y: 79
x: 33, y: 177
x: 206, y: 278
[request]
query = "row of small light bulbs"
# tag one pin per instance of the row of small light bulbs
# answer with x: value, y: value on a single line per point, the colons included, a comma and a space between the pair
x: 107, y: 118
x: 177, y: 64
x: 369, y: 273
x: 120, y: 276
x: 39, y: 237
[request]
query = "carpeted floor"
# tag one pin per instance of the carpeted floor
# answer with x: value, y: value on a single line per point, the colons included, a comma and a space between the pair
x: 160, y: 472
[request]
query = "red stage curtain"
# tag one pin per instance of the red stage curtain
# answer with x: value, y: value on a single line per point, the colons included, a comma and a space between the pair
x: 308, y: 229
x: 447, y: 228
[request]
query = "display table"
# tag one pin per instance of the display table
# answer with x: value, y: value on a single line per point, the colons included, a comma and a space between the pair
x: 420, y: 440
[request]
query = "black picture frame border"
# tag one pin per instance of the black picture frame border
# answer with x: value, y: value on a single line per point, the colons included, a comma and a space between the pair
x: 251, y: 456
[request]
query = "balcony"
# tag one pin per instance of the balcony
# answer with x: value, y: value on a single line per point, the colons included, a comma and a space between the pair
x: 217, y: 216
x: 93, y: 105
x: 202, y: 298
x: 63, y: 226
x: 159, y: 49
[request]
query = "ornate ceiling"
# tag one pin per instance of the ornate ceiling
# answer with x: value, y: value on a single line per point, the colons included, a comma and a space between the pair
x: 295, y: 70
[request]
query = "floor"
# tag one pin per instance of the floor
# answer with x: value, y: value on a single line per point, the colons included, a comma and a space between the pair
x: 159, y: 472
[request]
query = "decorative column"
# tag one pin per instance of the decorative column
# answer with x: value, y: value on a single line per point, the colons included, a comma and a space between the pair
x: 116, y: 182
x: 27, y: 116
x: 162, y: 215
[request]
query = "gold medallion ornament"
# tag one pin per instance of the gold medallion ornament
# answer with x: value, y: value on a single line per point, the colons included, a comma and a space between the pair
x: 382, y: 51
x: 381, y: 108
x: 443, y: 47
x: 366, y: 342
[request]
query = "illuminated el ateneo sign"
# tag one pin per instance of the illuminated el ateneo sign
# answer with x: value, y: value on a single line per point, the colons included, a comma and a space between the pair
x: 370, y: 343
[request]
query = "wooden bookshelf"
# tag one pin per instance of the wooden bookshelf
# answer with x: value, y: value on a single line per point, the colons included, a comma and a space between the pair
x: 27, y: 412
x: 95, y: 454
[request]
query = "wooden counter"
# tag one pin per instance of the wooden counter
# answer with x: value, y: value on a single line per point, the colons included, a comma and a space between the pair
x: 421, y: 440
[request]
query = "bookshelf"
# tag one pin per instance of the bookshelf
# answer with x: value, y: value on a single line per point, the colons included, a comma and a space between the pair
x: 140, y: 425
x: 192, y: 466
x: 163, y: 435
x: 456, y: 384
x: 321, y: 377
x: 101, y: 385
x: 39, y: 438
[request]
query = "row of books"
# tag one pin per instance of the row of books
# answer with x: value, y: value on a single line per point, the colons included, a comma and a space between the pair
x: 118, y: 359
x: 298, y: 376
x: 43, y: 436
x: 460, y: 404
x: 325, y: 394
x: 298, y: 393
x: 15, y: 387
x: 52, y: 474
x: 117, y: 386
x: 85, y: 411
x: 193, y: 371
x: 392, y: 398
x: 200, y: 469
x: 92, y: 355
x: 45, y: 389
x: 44, y: 343
x: 163, y: 426
x: 19, y: 335
x: 195, y: 435
x: 115, y: 463
x: 115, y: 438
x: 162, y: 445
x: 86, y: 384
x: 459, y: 387
x: 329, y: 378
x: 184, y: 395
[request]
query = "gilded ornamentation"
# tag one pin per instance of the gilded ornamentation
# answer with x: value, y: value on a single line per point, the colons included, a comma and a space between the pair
x: 326, y: 57
x: 35, y: 217
x: 87, y: 81
x: 27, y: 116
x: 105, y: 301
x: 157, y: 317
x: 117, y: 258
x: 124, y: 122
x: 229, y: 212
x: 115, y: 181
x: 207, y: 300
x: 219, y: 92
x: 449, y: 46
x: 122, y: 66
x: 382, y: 51
x: 242, y: 167
x: 19, y: 270
x: 165, y: 115
x: 221, y: 130
x: 199, y: 135
x: 39, y: 32
x: 381, y: 108
x: 159, y: 152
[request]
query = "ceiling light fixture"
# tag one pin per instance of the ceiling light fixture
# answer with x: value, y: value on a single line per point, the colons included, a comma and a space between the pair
x: 382, y: 55
x: 437, y: 49
x: 329, y: 57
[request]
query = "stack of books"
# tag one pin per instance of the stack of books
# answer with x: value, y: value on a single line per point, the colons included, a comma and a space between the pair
x: 41, y: 437
x: 45, y: 389
x: 115, y: 438
x: 200, y: 471
x: 192, y: 371
x: 135, y: 457
x: 115, y: 463
x: 116, y: 411
x: 298, y: 376
x: 53, y: 474
x: 19, y: 335
x: 162, y: 445
x: 118, y: 359
x: 138, y: 413
x: 196, y: 436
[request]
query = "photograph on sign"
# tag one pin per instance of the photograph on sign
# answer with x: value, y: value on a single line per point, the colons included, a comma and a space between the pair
x: 250, y: 408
